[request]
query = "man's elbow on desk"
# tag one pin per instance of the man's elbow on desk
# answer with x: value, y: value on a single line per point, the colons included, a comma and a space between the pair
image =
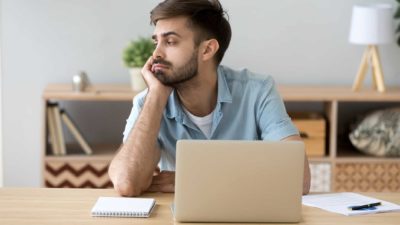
x: 124, y: 184
x: 127, y: 188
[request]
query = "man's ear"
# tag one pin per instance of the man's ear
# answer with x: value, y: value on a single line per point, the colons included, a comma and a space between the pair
x: 210, y: 48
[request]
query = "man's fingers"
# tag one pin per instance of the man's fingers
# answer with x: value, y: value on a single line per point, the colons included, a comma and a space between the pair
x: 165, y: 177
x: 156, y: 171
x: 154, y: 188
x: 149, y: 62
x: 167, y: 188
x: 147, y: 67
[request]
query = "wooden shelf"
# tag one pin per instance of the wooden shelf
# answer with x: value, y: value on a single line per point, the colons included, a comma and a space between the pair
x: 123, y: 92
x: 313, y: 159
x: 341, y: 163
x: 106, y: 92
x: 329, y: 93
x: 74, y: 152
x: 348, y: 153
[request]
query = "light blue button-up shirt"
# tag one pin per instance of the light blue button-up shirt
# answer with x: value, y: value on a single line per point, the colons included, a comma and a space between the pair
x: 248, y: 107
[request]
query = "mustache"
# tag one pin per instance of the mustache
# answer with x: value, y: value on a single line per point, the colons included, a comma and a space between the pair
x: 161, y: 61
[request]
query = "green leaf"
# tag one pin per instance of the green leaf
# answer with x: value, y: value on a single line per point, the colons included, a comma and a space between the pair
x: 137, y: 52
x: 397, y: 14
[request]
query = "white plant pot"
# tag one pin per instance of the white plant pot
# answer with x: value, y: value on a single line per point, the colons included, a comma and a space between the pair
x: 137, y: 81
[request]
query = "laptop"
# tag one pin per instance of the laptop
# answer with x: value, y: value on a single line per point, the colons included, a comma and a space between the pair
x: 238, y: 181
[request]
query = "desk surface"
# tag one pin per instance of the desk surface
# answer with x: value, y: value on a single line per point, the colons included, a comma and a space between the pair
x: 72, y: 206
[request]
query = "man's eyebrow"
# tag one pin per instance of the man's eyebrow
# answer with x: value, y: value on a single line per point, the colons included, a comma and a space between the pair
x: 154, y: 37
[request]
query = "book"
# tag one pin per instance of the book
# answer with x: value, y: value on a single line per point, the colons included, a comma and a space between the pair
x: 52, y: 130
x: 75, y: 132
x: 59, y: 129
x: 123, y: 207
x: 344, y: 203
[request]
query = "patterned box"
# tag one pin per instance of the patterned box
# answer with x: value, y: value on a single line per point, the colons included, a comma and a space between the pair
x: 76, y: 174
x: 367, y: 177
x: 320, y: 177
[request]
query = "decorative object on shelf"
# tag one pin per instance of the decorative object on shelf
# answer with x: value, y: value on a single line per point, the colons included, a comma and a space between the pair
x: 135, y: 56
x: 397, y: 16
x: 55, y: 130
x: 73, y: 128
x: 371, y: 25
x: 80, y: 81
x: 378, y: 133
x: 55, y: 117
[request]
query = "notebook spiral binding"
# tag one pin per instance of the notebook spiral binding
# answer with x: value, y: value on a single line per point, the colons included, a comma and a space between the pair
x: 120, y: 214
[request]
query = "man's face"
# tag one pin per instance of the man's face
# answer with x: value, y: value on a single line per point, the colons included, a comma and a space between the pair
x: 175, y: 57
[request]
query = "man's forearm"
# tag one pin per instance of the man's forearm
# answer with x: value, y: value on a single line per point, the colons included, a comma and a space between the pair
x: 132, y: 168
x: 307, y: 174
x: 307, y: 177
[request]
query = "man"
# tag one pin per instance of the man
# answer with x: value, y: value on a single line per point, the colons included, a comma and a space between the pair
x: 190, y: 96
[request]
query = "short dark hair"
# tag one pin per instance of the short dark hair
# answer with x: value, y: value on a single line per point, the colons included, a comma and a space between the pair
x: 207, y: 17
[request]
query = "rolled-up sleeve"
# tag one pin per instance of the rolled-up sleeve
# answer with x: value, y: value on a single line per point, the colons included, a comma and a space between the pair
x: 138, y: 102
x: 274, y: 122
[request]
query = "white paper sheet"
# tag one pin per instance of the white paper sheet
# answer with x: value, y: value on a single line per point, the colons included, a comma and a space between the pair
x: 339, y: 203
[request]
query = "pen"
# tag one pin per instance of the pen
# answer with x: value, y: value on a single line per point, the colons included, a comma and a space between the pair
x: 366, y: 206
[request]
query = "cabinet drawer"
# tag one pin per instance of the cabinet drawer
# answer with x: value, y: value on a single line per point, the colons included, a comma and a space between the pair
x: 312, y: 131
x: 77, y: 174
x: 367, y: 177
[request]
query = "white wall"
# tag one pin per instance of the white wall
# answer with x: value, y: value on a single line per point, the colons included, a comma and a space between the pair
x: 1, y: 109
x: 46, y: 41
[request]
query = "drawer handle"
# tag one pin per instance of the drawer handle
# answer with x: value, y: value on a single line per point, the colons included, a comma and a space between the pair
x: 303, y: 134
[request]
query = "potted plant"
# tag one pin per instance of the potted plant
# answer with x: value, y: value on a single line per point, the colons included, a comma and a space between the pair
x: 135, y: 56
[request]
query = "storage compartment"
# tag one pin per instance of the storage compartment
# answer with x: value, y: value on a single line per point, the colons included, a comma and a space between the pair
x: 349, y: 114
x: 312, y: 128
x: 367, y: 177
x: 76, y: 174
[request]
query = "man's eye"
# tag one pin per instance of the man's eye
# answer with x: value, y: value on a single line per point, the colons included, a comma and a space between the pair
x: 170, y: 42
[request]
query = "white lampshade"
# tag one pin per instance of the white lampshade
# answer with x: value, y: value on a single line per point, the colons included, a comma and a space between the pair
x: 372, y: 24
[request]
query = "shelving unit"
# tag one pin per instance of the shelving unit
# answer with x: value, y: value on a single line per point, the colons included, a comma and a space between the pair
x: 350, y: 170
x: 76, y: 169
x: 342, y: 168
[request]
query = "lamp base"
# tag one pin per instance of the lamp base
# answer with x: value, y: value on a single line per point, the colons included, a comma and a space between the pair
x: 371, y: 56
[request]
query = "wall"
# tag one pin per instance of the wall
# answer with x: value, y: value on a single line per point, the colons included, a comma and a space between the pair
x: 1, y: 110
x: 47, y: 41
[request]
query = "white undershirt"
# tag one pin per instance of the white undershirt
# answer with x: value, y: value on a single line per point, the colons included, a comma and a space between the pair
x: 203, y: 123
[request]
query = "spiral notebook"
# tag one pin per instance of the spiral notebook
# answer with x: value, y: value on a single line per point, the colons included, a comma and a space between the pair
x: 123, y: 207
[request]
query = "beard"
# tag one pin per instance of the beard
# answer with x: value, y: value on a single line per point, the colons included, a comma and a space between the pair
x: 178, y: 75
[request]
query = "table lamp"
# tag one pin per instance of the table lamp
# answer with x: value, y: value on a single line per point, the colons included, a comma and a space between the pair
x: 371, y: 25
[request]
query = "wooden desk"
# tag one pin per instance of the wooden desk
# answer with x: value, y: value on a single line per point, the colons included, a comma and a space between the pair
x: 72, y: 207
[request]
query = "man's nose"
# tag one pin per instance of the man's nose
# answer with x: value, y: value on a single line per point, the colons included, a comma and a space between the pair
x: 158, y: 52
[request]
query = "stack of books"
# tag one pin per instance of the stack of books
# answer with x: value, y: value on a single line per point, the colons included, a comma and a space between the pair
x: 56, y: 117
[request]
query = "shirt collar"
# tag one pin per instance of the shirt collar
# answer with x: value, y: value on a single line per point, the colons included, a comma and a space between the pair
x: 174, y: 108
x: 224, y: 94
